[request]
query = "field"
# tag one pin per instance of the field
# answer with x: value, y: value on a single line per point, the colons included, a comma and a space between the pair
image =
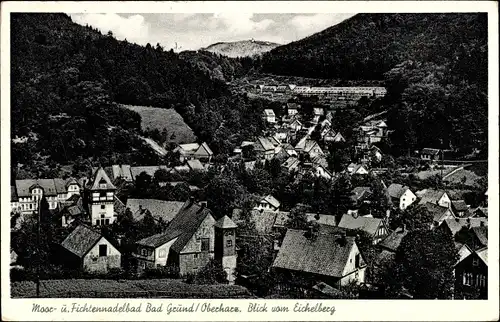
x: 160, y: 118
x: 99, y: 288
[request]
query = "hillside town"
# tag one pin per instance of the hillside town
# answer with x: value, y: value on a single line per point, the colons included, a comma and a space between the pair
x: 164, y: 220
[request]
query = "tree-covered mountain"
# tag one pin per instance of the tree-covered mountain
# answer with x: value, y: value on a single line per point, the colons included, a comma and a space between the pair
x: 67, y: 81
x: 243, y: 48
x: 434, y: 65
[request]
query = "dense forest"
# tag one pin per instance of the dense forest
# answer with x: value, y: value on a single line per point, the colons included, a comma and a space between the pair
x: 67, y: 80
x: 434, y: 65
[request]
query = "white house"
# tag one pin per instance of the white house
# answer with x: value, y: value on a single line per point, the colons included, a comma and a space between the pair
x: 357, y: 169
x: 268, y: 203
x: 269, y: 116
x: 401, y: 196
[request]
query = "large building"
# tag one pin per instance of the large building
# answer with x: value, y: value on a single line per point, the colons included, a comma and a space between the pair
x: 26, y: 194
x: 101, y: 198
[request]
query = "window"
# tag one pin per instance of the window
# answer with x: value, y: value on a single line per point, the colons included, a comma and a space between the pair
x: 97, y: 222
x: 205, y: 244
x: 144, y: 252
x: 102, y: 216
x: 468, y: 279
x: 106, y: 221
x: 195, y: 255
x: 103, y: 206
x: 475, y: 262
x: 357, y: 260
x: 229, y: 243
x: 162, y: 253
x: 103, y: 250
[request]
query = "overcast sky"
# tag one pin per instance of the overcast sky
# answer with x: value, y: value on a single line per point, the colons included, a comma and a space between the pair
x: 193, y: 31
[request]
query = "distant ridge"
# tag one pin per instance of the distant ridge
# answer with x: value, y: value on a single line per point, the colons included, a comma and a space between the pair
x: 243, y: 48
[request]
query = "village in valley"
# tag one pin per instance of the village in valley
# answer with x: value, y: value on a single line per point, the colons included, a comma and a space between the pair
x: 314, y: 205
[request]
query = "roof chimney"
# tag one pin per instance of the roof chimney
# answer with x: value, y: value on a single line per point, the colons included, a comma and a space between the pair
x: 481, y: 223
x: 191, y: 201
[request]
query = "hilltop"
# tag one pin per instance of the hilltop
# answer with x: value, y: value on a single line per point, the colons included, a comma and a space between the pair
x: 243, y: 48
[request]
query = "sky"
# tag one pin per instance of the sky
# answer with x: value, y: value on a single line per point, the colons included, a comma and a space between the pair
x: 192, y: 31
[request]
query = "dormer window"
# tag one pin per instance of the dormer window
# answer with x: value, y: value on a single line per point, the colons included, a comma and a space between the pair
x: 102, y: 184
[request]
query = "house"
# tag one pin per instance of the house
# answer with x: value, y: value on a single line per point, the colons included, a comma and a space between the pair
x: 460, y: 208
x: 189, y: 242
x: 438, y: 197
x: 476, y: 237
x: 281, y: 135
x: 401, y: 196
x: 374, y: 227
x: 471, y: 274
x: 429, y: 154
x: 190, y: 151
x: 265, y: 148
x: 268, y: 203
x: 195, y: 165
x: 393, y: 240
x: 87, y: 249
x: 72, y: 210
x: 269, y: 116
x: 455, y: 225
x: 439, y: 213
x: 27, y: 193
x: 292, y: 108
x: 320, y: 170
x: 327, y: 255
x: 295, y: 125
x: 309, y: 147
x: 480, y: 212
x: 166, y: 210
x: 291, y: 164
x: 101, y: 198
x: 361, y: 195
x: 318, y: 112
x: 360, y: 169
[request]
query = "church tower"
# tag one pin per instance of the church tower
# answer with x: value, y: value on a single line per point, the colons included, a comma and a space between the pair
x: 225, y: 246
x: 101, y: 199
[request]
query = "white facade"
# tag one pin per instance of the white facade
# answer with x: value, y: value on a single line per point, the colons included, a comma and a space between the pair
x: 407, y: 199
x: 353, y: 271
x: 102, y: 208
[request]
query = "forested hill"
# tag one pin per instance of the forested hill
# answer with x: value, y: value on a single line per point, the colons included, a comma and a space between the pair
x: 368, y: 45
x: 65, y: 82
x: 435, y: 67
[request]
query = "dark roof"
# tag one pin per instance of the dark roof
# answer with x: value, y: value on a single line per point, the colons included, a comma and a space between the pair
x: 437, y: 211
x: 81, y: 240
x: 325, y: 255
x: 430, y: 151
x: 456, y: 224
x: 430, y: 195
x: 360, y: 192
x: 166, y: 210
x: 396, y: 190
x: 459, y: 205
x: 182, y: 227
x: 392, y: 241
x: 367, y: 224
x: 482, y: 234
x: 24, y: 187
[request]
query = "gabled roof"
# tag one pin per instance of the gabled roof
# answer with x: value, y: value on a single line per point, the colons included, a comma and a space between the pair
x: 396, y: 190
x: 483, y: 254
x: 25, y: 186
x: 272, y: 201
x: 459, y: 205
x: 166, y: 210
x: 263, y: 144
x: 360, y: 193
x: 182, y: 227
x: 367, y: 224
x: 437, y: 211
x: 392, y: 241
x: 325, y: 255
x: 291, y: 163
x: 225, y: 222
x: 195, y: 164
x: 456, y: 224
x: 269, y: 112
x: 81, y: 240
x: 481, y: 233
x: 430, y: 151
x: 188, y: 147
x: 311, y: 144
x: 429, y: 195
x: 203, y: 150
x: 338, y: 137
x: 101, y: 177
